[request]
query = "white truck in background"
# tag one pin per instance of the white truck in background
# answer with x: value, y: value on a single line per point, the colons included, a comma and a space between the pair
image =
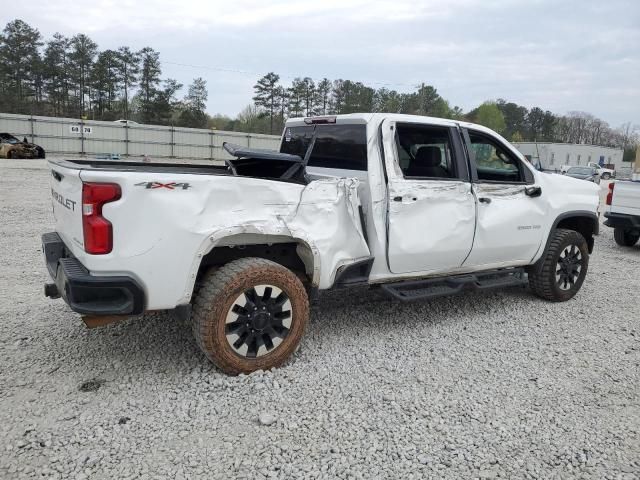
x: 605, y: 173
x: 417, y: 206
x: 623, y: 211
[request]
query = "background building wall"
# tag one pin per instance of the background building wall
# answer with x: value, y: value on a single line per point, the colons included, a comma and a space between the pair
x: 553, y: 155
x: 73, y: 136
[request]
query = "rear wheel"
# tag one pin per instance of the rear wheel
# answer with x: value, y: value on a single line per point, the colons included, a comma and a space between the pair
x: 563, y: 267
x: 606, y: 176
x: 250, y: 314
x: 625, y: 238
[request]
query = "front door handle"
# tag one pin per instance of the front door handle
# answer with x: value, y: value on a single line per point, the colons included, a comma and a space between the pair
x: 484, y: 200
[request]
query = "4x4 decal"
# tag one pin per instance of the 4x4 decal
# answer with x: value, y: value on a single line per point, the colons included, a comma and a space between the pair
x: 168, y: 186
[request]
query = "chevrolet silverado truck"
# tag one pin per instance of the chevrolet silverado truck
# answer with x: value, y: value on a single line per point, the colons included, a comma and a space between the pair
x: 418, y: 207
x: 623, y: 211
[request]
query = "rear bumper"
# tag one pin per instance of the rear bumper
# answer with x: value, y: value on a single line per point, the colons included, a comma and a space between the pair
x: 85, y: 293
x: 621, y: 220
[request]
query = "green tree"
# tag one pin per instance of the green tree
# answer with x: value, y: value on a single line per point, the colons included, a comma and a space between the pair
x: 56, y: 79
x: 105, y: 83
x: 323, y: 94
x: 309, y: 96
x: 387, y: 101
x: 283, y: 101
x: 489, y: 115
x: 150, y: 71
x: 194, y: 104
x: 166, y: 102
x: 338, y: 96
x: 515, y: 117
x: 83, y: 51
x: 267, y: 95
x: 19, y: 58
x: 128, y: 70
x: 296, y: 94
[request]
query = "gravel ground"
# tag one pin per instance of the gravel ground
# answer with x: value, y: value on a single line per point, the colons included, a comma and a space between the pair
x: 498, y: 385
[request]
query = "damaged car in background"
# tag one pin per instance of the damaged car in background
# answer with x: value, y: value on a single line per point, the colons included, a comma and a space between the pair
x: 417, y: 207
x: 11, y: 147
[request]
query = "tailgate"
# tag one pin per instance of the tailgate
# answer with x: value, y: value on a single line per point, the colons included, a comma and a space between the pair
x: 626, y: 198
x: 66, y: 197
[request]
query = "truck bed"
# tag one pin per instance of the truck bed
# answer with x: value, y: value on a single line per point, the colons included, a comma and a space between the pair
x: 278, y: 167
x: 123, y: 166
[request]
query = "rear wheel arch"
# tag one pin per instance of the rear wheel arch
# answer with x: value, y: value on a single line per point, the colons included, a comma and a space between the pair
x: 292, y: 253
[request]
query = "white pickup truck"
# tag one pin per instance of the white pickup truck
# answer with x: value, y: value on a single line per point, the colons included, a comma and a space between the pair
x: 623, y: 211
x: 605, y: 173
x: 416, y: 206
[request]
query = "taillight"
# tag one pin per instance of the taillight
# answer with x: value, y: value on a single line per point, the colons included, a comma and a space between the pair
x: 610, y: 194
x: 98, y: 232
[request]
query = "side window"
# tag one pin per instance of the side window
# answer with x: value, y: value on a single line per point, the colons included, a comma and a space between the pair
x: 425, y: 151
x: 493, y: 162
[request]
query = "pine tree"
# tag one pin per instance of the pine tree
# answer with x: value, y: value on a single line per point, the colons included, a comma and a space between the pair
x: 128, y: 69
x: 323, y: 94
x: 149, y: 82
x: 267, y: 95
x: 19, y: 57
x: 56, y: 68
x: 105, y: 83
x: 83, y: 51
x: 309, y: 96
x: 296, y: 97
x: 193, y: 114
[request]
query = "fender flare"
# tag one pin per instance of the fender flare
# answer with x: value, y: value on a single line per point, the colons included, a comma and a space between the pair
x: 563, y: 216
x: 213, y: 239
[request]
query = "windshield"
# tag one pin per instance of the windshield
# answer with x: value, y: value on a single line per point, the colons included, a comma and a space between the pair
x: 580, y: 170
x: 6, y: 138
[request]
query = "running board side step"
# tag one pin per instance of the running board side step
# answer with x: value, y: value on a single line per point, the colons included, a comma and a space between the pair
x: 444, y: 286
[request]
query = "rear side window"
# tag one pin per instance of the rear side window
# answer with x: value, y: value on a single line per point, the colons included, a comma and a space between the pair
x: 336, y: 146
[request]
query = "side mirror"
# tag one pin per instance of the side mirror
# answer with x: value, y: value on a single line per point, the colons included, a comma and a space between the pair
x: 532, y: 191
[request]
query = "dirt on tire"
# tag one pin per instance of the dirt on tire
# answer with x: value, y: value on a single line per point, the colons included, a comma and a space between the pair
x: 219, y: 289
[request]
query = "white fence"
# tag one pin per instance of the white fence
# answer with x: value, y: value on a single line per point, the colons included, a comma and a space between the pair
x: 90, y: 137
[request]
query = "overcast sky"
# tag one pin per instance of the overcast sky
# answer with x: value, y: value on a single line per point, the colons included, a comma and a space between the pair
x: 560, y: 55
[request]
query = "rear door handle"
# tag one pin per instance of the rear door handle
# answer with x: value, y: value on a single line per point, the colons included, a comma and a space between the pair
x: 484, y: 200
x: 406, y: 199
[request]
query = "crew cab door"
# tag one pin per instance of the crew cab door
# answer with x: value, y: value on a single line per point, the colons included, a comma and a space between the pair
x: 511, y: 207
x: 431, y: 208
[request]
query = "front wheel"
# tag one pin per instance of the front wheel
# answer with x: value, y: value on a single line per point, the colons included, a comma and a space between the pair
x: 606, y: 176
x: 625, y: 238
x: 249, y: 314
x: 561, y: 271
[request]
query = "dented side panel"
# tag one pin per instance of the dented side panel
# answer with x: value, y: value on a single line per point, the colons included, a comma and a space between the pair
x: 431, y: 225
x: 161, y: 234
